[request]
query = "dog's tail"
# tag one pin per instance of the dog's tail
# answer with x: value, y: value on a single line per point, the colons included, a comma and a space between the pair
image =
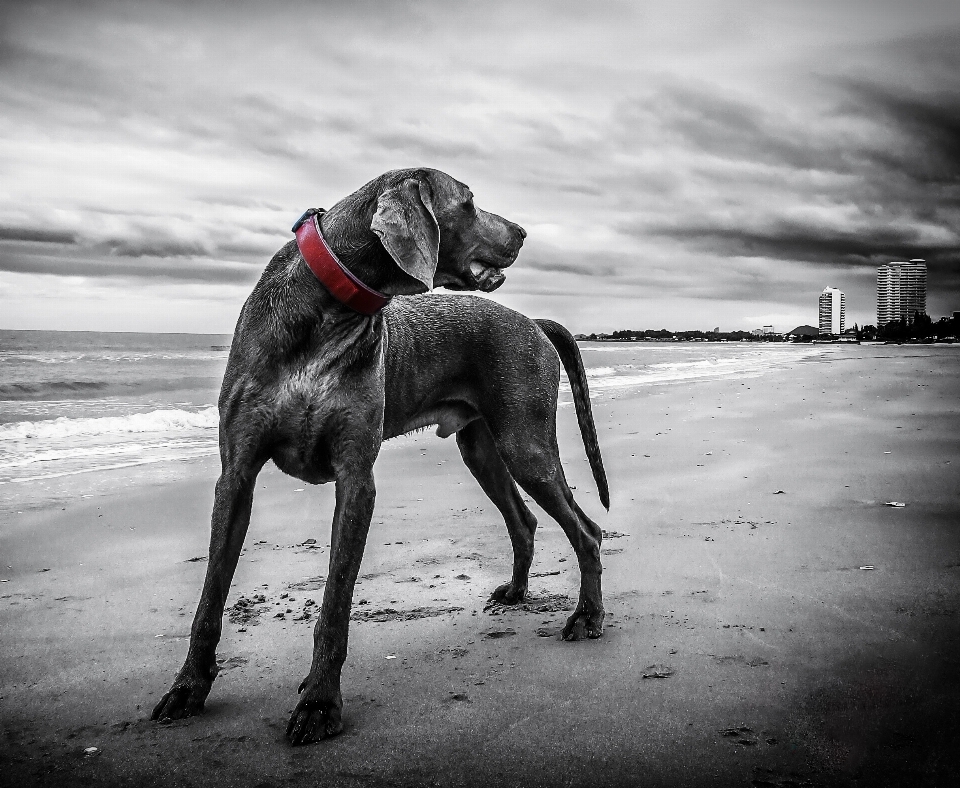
x: 569, y: 354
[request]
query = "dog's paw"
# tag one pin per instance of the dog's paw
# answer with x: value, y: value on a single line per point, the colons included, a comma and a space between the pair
x: 508, y: 594
x: 315, y: 718
x: 181, y: 701
x: 583, y: 625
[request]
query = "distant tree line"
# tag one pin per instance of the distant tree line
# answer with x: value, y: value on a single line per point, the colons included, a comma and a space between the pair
x: 920, y: 328
x: 628, y: 335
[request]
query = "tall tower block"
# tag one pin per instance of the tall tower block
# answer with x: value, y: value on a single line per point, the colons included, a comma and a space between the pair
x: 833, y: 311
x: 901, y: 291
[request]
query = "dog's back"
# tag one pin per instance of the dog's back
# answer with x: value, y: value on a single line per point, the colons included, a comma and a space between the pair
x: 446, y: 351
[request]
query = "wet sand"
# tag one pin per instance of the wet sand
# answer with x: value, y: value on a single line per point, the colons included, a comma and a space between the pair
x: 745, y: 645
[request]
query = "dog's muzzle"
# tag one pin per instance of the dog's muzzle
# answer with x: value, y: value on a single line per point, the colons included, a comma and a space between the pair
x: 486, y: 278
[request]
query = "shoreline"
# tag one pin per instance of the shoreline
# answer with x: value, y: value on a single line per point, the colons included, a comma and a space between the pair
x: 783, y: 659
x: 80, y: 439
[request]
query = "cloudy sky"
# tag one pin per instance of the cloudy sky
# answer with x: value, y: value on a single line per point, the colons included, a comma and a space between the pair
x: 676, y: 164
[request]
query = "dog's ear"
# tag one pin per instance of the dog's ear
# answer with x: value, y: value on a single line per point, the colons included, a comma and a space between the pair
x: 405, y: 224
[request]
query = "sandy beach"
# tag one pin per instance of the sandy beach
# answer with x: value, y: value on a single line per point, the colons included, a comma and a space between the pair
x: 771, y: 620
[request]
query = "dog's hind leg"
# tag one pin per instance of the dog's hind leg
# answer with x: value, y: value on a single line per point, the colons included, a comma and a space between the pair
x: 534, y: 461
x: 233, y: 501
x: 480, y: 455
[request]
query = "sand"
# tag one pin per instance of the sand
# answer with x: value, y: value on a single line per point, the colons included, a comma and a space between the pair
x: 746, y: 643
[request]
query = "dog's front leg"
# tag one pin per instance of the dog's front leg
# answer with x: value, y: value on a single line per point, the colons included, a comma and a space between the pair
x: 233, y: 501
x: 317, y: 715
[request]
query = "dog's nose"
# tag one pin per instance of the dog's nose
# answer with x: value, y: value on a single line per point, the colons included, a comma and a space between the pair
x: 521, y: 231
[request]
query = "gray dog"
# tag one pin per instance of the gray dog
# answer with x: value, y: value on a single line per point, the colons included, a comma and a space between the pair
x: 320, y: 374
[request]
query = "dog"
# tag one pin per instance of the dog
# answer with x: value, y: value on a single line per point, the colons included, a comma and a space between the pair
x: 326, y: 364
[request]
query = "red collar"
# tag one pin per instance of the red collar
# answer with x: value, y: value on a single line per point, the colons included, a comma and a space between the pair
x: 343, y: 285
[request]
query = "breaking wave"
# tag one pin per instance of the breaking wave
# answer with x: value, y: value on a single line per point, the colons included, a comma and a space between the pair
x: 30, y: 391
x: 167, y: 420
x: 48, y: 449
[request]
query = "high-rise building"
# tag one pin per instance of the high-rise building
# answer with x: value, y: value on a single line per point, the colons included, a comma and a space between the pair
x: 901, y: 291
x: 833, y: 311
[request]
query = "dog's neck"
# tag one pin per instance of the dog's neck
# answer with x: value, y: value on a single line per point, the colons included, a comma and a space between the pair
x: 359, y: 251
x: 343, y: 285
x: 345, y: 228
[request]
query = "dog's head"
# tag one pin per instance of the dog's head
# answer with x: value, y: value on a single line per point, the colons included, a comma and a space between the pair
x: 431, y: 229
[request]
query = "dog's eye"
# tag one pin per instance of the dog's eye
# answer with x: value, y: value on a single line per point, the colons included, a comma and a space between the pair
x: 468, y: 203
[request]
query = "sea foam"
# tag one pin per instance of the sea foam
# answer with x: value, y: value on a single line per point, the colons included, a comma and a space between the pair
x: 156, y: 421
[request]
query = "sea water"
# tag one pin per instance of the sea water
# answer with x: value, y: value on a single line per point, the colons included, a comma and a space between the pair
x: 82, y: 412
x: 82, y: 404
x: 619, y: 365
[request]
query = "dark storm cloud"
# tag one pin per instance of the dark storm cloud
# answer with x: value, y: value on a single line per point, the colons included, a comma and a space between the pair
x: 735, y: 129
x: 929, y: 126
x: 36, y: 235
x: 813, y: 244
x: 127, y: 268
x: 891, y: 190
x: 161, y: 104
x: 152, y: 254
x: 231, y: 262
x: 909, y: 132
x: 591, y: 265
x: 120, y: 247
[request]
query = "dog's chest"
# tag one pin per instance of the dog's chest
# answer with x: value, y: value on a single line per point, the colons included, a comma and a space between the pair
x: 318, y: 415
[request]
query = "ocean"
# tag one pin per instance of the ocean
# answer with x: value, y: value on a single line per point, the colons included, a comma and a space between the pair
x: 80, y: 411
x: 83, y: 413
